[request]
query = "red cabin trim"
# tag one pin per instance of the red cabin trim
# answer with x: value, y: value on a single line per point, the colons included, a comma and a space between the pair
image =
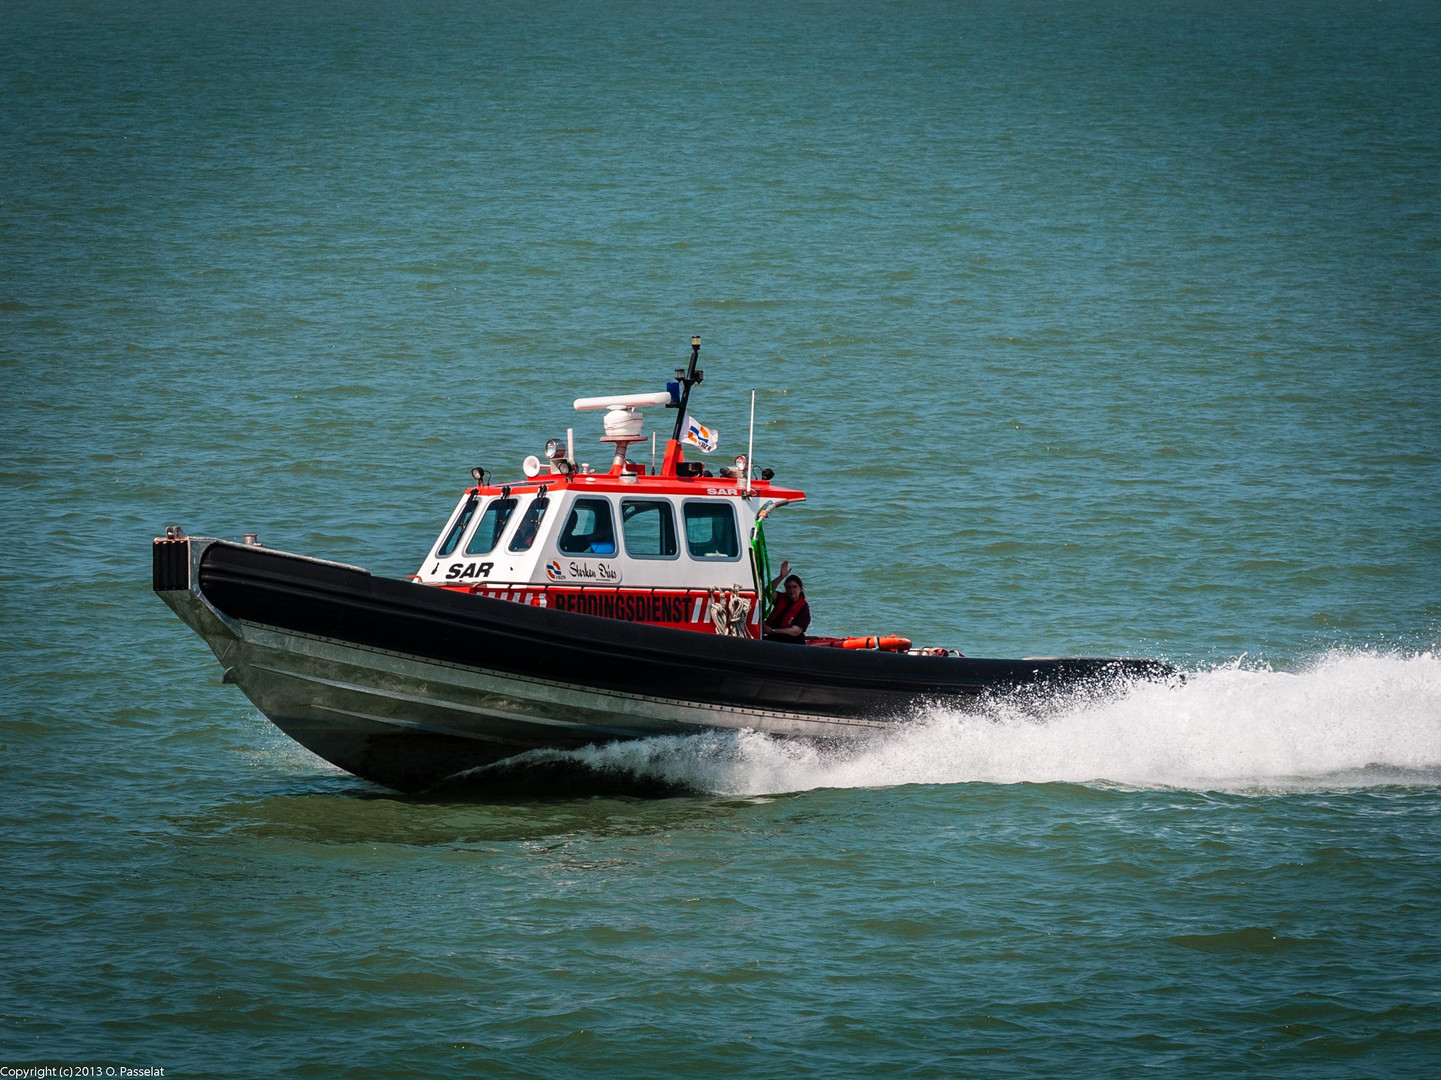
x: 679, y: 609
x: 612, y: 484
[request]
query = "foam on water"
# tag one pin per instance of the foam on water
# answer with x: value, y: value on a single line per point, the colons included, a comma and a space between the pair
x: 1346, y: 720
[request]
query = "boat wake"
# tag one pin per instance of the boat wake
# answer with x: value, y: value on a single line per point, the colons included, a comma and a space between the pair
x: 1347, y: 720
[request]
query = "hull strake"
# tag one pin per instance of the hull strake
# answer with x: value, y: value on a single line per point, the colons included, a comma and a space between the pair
x: 409, y: 723
x: 407, y: 684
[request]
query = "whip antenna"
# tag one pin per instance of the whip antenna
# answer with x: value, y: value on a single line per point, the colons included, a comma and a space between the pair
x: 751, y: 446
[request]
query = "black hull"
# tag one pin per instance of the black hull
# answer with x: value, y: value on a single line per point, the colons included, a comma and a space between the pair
x: 786, y: 689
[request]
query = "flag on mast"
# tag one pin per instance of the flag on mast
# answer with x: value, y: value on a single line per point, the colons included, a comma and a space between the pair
x: 698, y: 435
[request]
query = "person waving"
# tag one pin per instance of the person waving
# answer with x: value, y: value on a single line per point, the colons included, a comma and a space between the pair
x: 792, y: 614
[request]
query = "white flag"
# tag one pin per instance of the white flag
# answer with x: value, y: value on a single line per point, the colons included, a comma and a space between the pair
x: 697, y: 434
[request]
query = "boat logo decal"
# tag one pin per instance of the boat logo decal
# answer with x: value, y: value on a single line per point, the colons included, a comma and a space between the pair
x: 597, y: 573
x: 458, y: 571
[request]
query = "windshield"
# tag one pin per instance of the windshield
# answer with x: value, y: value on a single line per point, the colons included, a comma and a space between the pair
x: 462, y: 519
x: 492, y: 524
x: 529, y: 526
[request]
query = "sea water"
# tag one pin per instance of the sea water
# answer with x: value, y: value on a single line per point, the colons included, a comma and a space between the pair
x: 1100, y: 328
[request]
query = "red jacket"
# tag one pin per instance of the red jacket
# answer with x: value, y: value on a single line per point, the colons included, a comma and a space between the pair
x: 787, y: 614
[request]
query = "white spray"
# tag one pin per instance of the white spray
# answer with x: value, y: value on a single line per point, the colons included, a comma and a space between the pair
x: 1348, y: 720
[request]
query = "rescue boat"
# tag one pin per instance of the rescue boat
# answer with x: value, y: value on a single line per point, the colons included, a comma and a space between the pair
x: 563, y: 608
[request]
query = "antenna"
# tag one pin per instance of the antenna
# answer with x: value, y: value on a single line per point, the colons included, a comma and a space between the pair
x: 687, y: 379
x: 751, y: 446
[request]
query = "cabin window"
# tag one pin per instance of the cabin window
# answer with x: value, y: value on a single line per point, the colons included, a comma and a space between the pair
x: 589, y: 529
x: 452, y: 537
x: 649, y: 527
x: 492, y: 524
x: 710, y: 531
x: 529, y: 526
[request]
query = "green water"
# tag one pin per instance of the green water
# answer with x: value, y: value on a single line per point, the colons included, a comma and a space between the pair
x: 1087, y: 329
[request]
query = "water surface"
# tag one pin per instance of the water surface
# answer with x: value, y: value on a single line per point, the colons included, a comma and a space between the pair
x: 1104, y: 328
